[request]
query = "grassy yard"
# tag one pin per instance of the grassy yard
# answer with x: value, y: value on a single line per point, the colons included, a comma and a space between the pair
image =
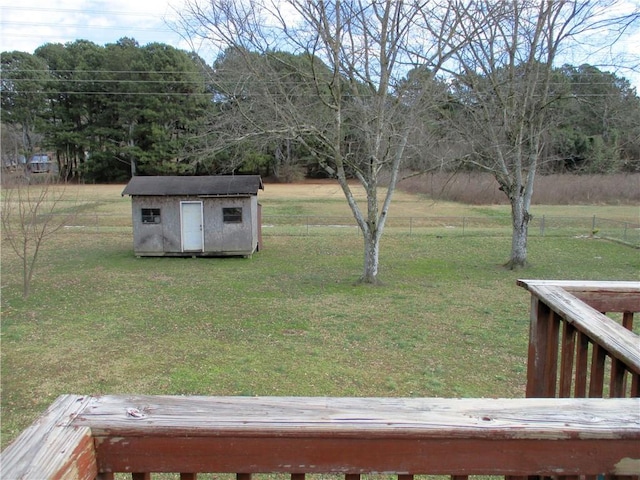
x: 448, y: 321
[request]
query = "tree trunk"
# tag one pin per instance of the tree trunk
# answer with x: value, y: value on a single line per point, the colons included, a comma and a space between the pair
x: 520, y: 218
x: 26, y: 273
x: 371, y: 255
x: 131, y: 145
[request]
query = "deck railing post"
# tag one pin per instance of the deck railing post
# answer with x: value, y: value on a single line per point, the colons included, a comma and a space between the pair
x: 538, y: 333
x: 582, y: 360
x: 551, y: 361
x: 596, y: 379
x: 567, y: 357
x: 617, y: 384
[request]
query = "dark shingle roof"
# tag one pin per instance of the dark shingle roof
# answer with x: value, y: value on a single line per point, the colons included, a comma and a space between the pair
x: 219, y: 185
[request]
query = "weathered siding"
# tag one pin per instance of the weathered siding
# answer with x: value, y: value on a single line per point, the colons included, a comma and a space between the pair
x: 255, y: 221
x: 228, y: 238
x: 220, y: 238
x: 149, y: 238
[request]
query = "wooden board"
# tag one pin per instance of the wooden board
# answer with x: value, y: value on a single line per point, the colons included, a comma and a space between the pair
x: 51, y: 448
x: 365, y: 435
x: 533, y: 419
x: 609, y: 296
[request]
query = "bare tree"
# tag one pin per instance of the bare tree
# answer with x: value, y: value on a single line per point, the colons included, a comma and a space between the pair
x: 356, y: 119
x: 28, y: 219
x: 504, y: 84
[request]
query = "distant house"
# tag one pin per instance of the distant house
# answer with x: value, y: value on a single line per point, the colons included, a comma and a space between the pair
x: 195, y: 216
x: 42, y: 163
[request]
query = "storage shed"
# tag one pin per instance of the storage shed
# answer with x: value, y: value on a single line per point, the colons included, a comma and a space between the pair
x: 195, y: 216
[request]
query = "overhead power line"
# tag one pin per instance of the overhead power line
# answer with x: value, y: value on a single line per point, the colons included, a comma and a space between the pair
x: 77, y: 26
x: 169, y: 94
x: 205, y: 78
x: 213, y: 94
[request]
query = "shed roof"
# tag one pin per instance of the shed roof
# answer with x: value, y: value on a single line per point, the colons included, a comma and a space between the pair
x: 212, y: 185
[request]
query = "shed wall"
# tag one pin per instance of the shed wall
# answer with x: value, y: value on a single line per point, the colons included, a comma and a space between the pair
x: 220, y: 238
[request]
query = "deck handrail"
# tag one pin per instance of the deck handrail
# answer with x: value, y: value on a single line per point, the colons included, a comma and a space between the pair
x: 575, y: 349
x: 604, y: 296
x: 352, y: 436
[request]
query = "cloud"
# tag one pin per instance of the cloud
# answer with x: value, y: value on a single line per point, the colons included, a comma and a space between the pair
x: 30, y: 24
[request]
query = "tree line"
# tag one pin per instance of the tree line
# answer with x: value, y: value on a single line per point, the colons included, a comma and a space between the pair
x: 110, y: 112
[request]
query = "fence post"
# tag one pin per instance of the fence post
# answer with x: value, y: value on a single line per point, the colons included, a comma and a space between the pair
x: 593, y: 225
x: 542, y: 227
x: 410, y: 225
x: 464, y: 221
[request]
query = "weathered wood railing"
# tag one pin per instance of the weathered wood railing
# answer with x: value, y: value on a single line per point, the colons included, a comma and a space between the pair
x: 82, y: 436
x: 94, y: 437
x: 574, y: 348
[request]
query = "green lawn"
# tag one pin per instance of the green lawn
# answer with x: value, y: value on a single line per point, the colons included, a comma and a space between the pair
x: 448, y: 321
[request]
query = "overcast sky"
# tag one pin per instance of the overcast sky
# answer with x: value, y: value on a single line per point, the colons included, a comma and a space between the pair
x: 27, y: 24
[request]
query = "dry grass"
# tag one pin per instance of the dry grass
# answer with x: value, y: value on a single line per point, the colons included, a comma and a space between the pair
x: 482, y: 189
x: 477, y: 195
x: 302, y: 198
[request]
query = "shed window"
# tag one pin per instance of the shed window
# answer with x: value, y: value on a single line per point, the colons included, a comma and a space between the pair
x: 232, y: 215
x: 150, y: 215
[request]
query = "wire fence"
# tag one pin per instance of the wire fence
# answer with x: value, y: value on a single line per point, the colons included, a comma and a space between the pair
x: 438, y: 226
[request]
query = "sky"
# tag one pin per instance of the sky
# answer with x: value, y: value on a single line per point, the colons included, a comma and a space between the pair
x: 28, y: 24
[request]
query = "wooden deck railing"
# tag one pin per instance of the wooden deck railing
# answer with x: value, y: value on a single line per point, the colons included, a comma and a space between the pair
x: 85, y: 437
x: 82, y: 436
x: 575, y: 350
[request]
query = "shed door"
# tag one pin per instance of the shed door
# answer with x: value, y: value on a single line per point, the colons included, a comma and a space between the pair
x: 191, y: 224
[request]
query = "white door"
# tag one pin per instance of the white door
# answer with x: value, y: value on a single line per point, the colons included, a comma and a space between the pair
x: 191, y: 223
